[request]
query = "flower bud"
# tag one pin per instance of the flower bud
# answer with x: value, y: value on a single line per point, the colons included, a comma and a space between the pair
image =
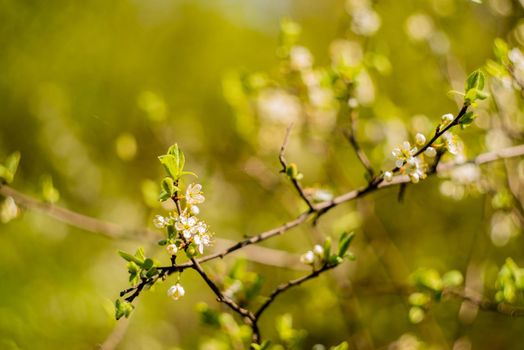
x: 318, y: 250
x: 420, y: 139
x: 430, y: 152
x: 195, y: 210
x: 447, y: 118
x: 388, y: 176
x: 172, y: 249
x: 308, y: 258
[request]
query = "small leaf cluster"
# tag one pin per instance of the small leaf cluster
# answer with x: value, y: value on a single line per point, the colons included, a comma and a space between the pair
x: 123, y: 308
x: 324, y: 256
x: 293, y: 173
x: 474, y: 87
x: 173, y: 163
x: 138, y: 266
x: 431, y: 286
x: 510, y: 283
x: 9, y: 168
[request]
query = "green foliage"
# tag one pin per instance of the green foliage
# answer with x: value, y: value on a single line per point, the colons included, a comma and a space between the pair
x: 123, y: 309
x: 290, y: 337
x: 510, y: 283
x: 49, y: 193
x: 474, y: 88
x: 8, y: 169
x: 241, y: 284
x: 431, y: 286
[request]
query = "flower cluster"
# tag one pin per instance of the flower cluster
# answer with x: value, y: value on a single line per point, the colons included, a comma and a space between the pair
x: 185, y: 230
x: 408, y: 162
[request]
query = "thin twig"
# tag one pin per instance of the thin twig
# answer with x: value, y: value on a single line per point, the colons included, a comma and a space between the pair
x: 285, y: 286
x: 293, y: 180
x: 350, y: 135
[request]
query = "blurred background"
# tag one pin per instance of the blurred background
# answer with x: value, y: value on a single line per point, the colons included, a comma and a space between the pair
x: 92, y: 92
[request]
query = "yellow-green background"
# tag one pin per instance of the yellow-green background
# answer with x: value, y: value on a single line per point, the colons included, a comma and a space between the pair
x: 71, y: 74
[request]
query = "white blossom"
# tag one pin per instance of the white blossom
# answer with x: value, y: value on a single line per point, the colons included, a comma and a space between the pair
x: 318, y: 250
x: 194, y: 194
x: 365, y: 22
x: 176, y: 291
x: 279, y: 106
x: 308, y: 258
x: 451, y: 143
x: 187, y: 225
x: 300, y: 58
x: 160, y: 222
x: 195, y: 210
x: 201, y: 242
x: 403, y: 153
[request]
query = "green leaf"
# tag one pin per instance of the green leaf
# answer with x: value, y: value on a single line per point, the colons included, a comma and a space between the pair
x: 8, y: 170
x: 452, y: 278
x: 474, y: 86
x: 11, y: 163
x: 342, y: 346
x: 164, y: 196
x: 49, y: 193
x: 500, y: 49
x: 344, y: 242
x: 170, y: 165
x: 334, y: 260
x: 140, y: 254
x: 188, y: 173
x: 168, y: 186
x: 327, y: 249
x: 467, y: 119
x: 428, y: 278
x: 263, y: 346
x: 416, y: 314
x: 419, y: 299
x: 163, y: 242
x: 132, y: 267
x: 129, y: 257
x: 152, y: 272
x: 123, y: 309
x: 510, y: 292
x: 208, y: 316
x: 148, y: 264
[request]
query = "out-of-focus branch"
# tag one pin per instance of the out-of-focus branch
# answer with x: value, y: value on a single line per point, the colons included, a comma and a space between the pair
x: 293, y: 283
x: 292, y: 178
x: 261, y: 255
x: 485, y: 304
x: 72, y: 218
x: 113, y: 230
x: 350, y: 135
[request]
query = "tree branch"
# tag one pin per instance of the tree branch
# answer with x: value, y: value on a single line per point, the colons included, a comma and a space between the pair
x: 293, y: 283
x: 350, y: 135
x: 293, y: 180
